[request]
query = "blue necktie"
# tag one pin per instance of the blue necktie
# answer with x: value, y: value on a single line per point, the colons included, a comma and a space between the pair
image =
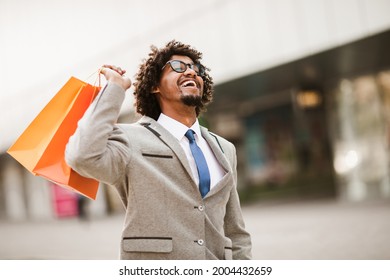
x: 201, y: 164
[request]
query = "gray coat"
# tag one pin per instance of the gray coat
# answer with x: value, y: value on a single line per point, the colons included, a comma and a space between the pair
x: 166, y: 217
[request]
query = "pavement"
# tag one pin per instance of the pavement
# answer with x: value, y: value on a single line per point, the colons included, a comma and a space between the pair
x: 300, y: 230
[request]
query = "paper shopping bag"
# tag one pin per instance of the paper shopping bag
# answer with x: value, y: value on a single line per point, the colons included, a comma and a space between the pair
x: 41, y: 147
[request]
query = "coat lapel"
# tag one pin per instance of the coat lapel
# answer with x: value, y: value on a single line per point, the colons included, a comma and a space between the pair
x: 168, y: 139
x: 216, y: 148
x: 219, y: 153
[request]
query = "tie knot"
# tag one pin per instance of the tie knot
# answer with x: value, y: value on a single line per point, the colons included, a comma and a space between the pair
x: 190, y: 135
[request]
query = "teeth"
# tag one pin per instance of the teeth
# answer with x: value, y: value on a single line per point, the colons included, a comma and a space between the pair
x: 189, y: 83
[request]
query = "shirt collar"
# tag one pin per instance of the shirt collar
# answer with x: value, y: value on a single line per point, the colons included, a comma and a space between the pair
x: 177, y: 129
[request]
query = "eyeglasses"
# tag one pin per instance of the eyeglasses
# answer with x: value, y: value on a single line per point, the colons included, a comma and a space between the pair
x: 180, y: 67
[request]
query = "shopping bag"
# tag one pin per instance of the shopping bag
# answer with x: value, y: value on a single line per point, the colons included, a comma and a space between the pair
x: 41, y: 147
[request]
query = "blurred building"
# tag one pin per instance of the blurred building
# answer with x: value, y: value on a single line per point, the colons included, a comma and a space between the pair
x: 316, y: 126
x: 302, y: 88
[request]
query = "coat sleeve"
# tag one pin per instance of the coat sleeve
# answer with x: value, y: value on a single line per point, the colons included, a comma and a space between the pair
x: 99, y: 149
x: 234, y: 222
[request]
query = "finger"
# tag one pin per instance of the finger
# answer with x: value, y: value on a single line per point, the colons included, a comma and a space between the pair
x: 121, y: 71
x: 107, y: 71
x: 117, y: 69
x: 108, y: 66
x: 105, y: 66
x: 102, y: 70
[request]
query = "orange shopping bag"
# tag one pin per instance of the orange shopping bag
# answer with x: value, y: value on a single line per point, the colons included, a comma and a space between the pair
x: 41, y: 146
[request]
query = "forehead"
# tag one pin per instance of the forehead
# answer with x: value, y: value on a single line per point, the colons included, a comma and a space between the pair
x: 183, y: 58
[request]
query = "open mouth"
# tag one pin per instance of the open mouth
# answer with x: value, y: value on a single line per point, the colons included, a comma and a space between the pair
x: 189, y: 83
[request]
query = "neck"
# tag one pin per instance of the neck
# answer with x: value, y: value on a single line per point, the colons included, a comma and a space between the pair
x: 186, y: 117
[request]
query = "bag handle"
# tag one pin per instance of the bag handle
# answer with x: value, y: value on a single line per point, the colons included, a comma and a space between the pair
x: 98, y: 78
x: 97, y: 81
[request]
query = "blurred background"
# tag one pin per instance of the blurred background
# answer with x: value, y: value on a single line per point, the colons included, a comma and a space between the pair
x: 302, y: 88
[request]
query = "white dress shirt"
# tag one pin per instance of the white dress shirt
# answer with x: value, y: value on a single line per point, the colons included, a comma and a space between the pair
x: 178, y: 130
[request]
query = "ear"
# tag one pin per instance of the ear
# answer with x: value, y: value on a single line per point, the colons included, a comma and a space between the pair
x: 155, y: 89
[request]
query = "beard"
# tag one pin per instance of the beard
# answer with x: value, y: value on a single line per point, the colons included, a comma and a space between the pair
x: 192, y: 100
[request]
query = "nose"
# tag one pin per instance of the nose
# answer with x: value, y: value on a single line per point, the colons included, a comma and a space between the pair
x: 190, y: 72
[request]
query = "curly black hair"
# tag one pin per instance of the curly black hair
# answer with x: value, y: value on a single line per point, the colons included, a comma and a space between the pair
x: 149, y: 74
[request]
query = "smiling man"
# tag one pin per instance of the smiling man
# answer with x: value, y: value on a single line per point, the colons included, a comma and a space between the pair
x: 177, y: 181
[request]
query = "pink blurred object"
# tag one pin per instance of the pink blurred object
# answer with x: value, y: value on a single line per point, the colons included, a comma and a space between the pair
x: 64, y: 202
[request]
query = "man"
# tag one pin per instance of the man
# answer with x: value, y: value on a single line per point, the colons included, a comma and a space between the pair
x: 176, y: 180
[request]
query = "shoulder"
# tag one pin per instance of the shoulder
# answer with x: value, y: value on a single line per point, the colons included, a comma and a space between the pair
x: 226, y: 146
x: 134, y: 131
x: 142, y: 131
x: 222, y: 141
x: 138, y: 125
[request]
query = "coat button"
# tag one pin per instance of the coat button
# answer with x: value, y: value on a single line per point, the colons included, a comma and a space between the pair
x: 201, y: 208
x: 200, y: 242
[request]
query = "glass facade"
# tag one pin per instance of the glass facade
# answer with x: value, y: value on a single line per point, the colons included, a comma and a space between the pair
x: 317, y: 126
x: 359, y: 113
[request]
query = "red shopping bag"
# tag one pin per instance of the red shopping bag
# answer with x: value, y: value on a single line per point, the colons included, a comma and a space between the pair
x: 41, y: 147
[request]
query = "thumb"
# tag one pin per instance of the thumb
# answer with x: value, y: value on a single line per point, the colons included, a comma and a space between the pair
x: 113, y: 75
x: 102, y: 70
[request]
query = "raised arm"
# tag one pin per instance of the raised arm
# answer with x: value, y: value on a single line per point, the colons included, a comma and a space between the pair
x: 99, y: 149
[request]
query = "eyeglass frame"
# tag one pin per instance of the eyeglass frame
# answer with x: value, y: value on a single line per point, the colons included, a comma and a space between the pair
x: 200, y: 72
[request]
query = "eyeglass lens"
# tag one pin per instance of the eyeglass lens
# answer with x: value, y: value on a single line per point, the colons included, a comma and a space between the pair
x: 180, y: 66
